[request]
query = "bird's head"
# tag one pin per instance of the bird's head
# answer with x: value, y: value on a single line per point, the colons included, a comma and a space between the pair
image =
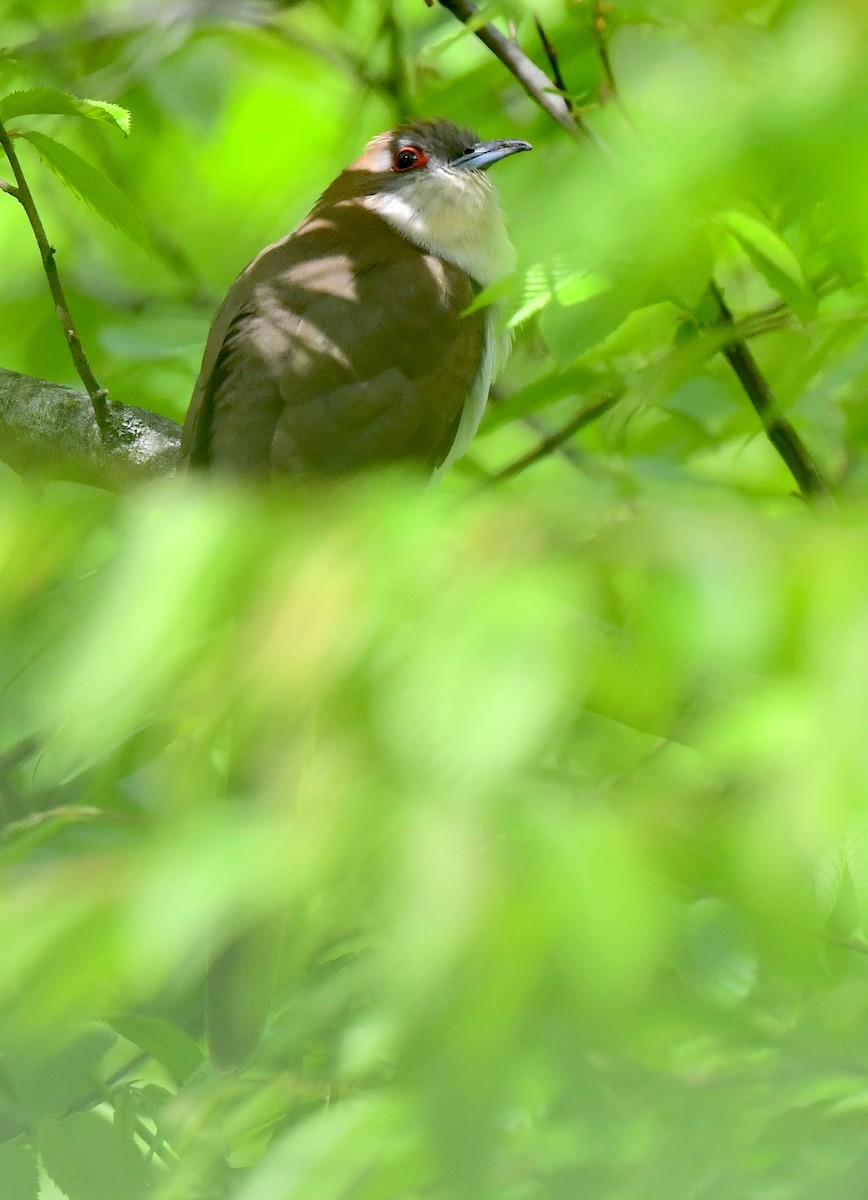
x: 428, y: 180
x: 437, y: 152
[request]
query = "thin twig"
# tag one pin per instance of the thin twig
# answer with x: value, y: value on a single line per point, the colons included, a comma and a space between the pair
x: 779, y: 431
x: 598, y: 28
x: 19, y: 752
x: 855, y: 944
x: 552, y: 56
x: 555, y: 440
x: 531, y: 77
x: 609, y: 87
x: 619, y: 777
x: 24, y: 196
x: 94, y: 1097
x: 152, y: 1138
x: 572, y: 454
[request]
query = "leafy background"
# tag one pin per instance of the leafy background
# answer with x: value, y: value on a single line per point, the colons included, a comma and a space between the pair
x: 558, y: 773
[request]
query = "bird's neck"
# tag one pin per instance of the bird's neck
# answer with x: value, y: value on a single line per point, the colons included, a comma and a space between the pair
x: 455, y: 216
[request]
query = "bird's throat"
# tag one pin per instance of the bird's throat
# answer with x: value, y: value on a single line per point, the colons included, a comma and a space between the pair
x: 455, y: 215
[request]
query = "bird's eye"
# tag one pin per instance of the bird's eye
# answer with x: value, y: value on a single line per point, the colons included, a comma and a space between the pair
x: 408, y: 158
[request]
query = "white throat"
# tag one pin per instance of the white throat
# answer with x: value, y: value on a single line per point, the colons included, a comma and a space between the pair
x: 453, y: 214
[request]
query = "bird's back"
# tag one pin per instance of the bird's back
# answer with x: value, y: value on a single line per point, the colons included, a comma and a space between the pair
x: 337, y: 349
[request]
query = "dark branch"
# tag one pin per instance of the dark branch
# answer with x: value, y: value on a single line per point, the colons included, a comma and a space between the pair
x: 598, y: 28
x: 779, y: 431
x: 552, y: 56
x: 536, y: 83
x: 531, y: 77
x: 22, y: 193
x: 569, y: 453
x: 554, y: 441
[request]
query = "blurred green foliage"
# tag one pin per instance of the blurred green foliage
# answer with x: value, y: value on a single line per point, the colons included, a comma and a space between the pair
x: 560, y: 783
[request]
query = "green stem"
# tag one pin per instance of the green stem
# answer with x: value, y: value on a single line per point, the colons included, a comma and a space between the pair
x: 21, y: 192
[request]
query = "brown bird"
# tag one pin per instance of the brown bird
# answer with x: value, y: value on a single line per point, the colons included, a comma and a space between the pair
x: 343, y: 346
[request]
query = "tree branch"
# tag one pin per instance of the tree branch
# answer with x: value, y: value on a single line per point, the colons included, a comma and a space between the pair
x: 567, y: 451
x: 598, y: 29
x: 531, y: 77
x: 554, y: 63
x: 50, y: 432
x: 23, y: 195
x: 554, y: 441
x: 780, y: 432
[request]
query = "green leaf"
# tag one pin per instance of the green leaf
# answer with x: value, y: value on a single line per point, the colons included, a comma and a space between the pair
x: 580, y: 287
x: 165, y: 1042
x: 107, y: 200
x: 491, y: 295
x: 704, y: 400
x: 719, y: 961
x: 19, y: 839
x: 88, y: 1160
x: 48, y: 1189
x: 52, y: 100
x: 576, y: 382
x: 18, y: 1172
x: 378, y: 1156
x: 48, y: 1080
x: 543, y: 285
x: 774, y: 260
x: 573, y: 329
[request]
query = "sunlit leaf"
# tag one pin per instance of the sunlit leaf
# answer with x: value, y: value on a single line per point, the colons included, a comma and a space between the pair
x: 90, y: 185
x: 774, y: 259
x: 52, y: 100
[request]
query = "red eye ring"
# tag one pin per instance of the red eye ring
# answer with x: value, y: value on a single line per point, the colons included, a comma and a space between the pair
x: 409, y: 158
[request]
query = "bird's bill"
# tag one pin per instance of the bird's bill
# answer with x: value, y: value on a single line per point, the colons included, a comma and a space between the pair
x: 483, y: 154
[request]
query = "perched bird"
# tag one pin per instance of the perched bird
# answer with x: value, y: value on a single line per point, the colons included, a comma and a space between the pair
x: 343, y: 346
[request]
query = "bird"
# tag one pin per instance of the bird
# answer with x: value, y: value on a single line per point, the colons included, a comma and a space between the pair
x: 347, y: 345
x: 344, y: 347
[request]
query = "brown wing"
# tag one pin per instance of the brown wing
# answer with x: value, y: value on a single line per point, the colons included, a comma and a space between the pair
x: 340, y: 348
